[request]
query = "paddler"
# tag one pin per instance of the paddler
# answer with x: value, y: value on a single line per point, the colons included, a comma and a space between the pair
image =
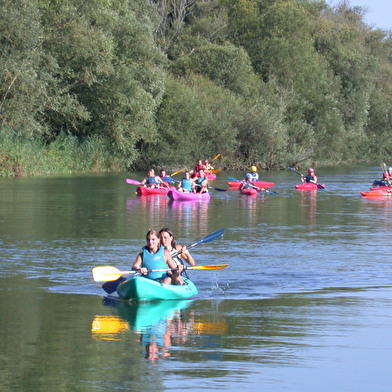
x: 167, y: 240
x: 248, y: 183
x: 254, y: 173
x: 185, y: 185
x: 311, y: 177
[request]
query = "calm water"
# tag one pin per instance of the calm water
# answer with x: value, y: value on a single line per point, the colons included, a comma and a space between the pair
x: 304, y: 305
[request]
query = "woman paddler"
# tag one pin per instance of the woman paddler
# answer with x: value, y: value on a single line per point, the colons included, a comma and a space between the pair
x: 154, y: 256
x: 153, y: 181
x: 167, y: 240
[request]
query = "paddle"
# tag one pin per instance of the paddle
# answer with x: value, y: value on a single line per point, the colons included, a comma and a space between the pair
x: 215, y: 157
x: 217, y: 189
x: 108, y: 273
x: 206, y: 240
x: 320, y: 186
x: 179, y: 171
x: 134, y: 182
x: 383, y: 167
x: 253, y: 186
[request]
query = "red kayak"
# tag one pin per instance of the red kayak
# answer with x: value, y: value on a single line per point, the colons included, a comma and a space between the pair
x: 309, y: 186
x: 248, y: 191
x: 377, y: 193
x: 174, y: 194
x: 260, y: 184
x: 145, y: 191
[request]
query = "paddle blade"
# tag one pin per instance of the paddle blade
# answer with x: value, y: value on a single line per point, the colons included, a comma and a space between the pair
x: 212, y: 237
x: 215, y: 157
x: 107, y: 274
x: 132, y: 182
x: 383, y: 167
x: 217, y: 189
x: 208, y: 267
x: 233, y: 179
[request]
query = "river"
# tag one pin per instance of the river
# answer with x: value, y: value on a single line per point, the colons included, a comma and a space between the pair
x: 304, y: 305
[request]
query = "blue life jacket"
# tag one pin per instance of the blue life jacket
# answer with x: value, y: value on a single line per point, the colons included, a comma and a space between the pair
x: 200, y: 180
x: 187, y: 184
x: 308, y: 178
x: 152, y: 181
x: 154, y: 261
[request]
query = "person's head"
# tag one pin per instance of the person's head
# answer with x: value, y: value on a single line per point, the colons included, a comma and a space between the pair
x: 199, y: 162
x: 187, y: 175
x: 201, y: 173
x: 166, y: 236
x: 153, y: 239
x: 248, y: 176
x: 390, y: 169
x: 151, y: 173
x: 206, y: 162
x: 254, y: 168
x: 311, y: 171
x: 163, y: 173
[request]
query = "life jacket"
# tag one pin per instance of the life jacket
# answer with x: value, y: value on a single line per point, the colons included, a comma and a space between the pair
x: 187, y: 184
x: 152, y: 181
x: 198, y: 167
x: 308, y: 178
x: 255, y: 176
x: 154, y: 261
x: 200, y: 180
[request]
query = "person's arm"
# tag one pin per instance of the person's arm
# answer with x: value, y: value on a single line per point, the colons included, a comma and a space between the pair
x: 144, y: 182
x: 302, y: 178
x: 137, y: 265
x: 186, y: 255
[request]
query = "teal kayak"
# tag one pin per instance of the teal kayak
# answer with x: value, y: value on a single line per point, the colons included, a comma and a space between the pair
x: 144, y: 289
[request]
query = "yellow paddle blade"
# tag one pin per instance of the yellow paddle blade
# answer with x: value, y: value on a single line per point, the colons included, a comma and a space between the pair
x: 208, y: 267
x: 215, y: 157
x: 215, y: 171
x: 179, y: 171
x: 107, y: 274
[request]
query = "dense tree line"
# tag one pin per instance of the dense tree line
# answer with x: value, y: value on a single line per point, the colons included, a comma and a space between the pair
x: 113, y: 85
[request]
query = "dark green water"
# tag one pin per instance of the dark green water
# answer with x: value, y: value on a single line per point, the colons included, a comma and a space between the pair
x: 304, y: 305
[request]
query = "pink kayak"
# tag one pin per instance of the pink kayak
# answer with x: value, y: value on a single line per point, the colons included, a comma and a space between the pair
x: 260, y: 184
x: 309, y: 186
x: 145, y: 191
x: 174, y: 194
x: 248, y: 191
x: 381, y: 187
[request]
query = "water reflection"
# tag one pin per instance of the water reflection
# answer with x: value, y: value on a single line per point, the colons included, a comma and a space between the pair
x: 158, y: 325
x: 309, y: 202
x: 190, y: 216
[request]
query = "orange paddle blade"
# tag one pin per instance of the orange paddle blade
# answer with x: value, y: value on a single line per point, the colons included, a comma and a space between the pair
x: 208, y: 267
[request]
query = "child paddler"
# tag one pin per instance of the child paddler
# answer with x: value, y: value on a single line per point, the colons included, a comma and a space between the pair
x: 154, y: 256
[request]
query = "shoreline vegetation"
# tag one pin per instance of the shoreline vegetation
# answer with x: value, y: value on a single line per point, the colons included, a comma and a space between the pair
x: 92, y: 86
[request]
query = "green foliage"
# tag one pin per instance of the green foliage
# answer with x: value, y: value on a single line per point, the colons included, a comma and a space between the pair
x: 105, y: 85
